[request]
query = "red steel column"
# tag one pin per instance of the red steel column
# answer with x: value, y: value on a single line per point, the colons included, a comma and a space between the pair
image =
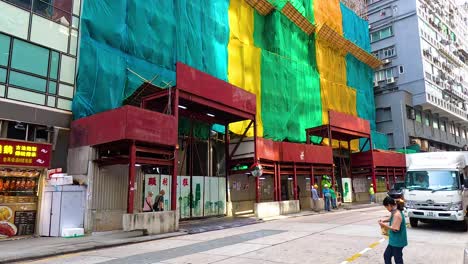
x: 279, y: 182
x: 296, y: 196
x: 374, y: 179
x: 131, y: 178
x: 175, y: 108
x: 275, y: 183
x: 227, y: 159
x: 257, y: 179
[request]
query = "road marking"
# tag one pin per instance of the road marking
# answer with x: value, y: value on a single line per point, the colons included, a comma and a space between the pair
x: 362, y: 252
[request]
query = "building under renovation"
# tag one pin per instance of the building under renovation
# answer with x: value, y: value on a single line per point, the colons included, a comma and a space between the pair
x: 231, y: 107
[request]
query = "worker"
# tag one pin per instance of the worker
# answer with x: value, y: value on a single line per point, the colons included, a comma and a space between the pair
x: 372, y: 193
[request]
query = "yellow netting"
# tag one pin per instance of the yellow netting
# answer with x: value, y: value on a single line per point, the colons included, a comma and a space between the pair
x: 331, y: 64
x: 244, y: 59
x: 329, y: 12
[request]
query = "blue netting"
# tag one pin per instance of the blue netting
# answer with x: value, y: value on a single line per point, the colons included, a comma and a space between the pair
x: 147, y: 37
x: 355, y: 28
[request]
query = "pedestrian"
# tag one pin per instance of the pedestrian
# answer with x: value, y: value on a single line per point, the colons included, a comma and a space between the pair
x: 158, y: 205
x: 327, y: 197
x: 148, y: 205
x: 333, y: 197
x: 315, y: 198
x: 397, y: 237
x: 372, y: 193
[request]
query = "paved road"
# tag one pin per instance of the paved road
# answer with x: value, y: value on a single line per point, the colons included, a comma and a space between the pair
x: 327, y: 238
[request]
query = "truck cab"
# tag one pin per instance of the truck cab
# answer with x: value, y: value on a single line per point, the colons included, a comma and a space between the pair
x: 436, y: 187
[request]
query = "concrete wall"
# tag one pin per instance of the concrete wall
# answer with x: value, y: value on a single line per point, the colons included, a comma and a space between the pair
x: 272, y: 209
x: 152, y: 223
x: 240, y: 208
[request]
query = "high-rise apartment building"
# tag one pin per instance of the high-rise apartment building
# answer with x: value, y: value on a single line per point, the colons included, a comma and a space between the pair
x: 421, y: 92
x: 38, y: 58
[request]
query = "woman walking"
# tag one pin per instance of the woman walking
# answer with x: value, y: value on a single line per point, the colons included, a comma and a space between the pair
x: 396, y: 232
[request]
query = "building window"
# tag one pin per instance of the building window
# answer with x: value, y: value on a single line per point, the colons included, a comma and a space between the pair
x: 418, y: 116
x: 427, y: 120
x: 443, y: 126
x: 457, y: 131
x: 435, y: 123
x: 26, y: 4
x: 381, y: 34
x: 35, y: 74
x: 401, y: 69
x: 383, y: 75
x: 24, y: 53
x: 463, y: 133
x: 385, y: 53
x: 58, y: 11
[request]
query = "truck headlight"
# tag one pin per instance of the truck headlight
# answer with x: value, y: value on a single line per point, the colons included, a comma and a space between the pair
x: 456, y: 206
x: 410, y: 204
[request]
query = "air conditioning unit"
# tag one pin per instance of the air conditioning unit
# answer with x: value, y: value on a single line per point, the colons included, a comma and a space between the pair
x: 391, y: 80
x: 386, y: 61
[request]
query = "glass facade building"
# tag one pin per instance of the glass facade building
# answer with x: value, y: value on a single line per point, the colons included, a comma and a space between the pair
x: 38, y: 49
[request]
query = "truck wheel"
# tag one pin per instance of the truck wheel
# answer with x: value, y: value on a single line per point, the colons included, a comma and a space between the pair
x: 464, y: 225
x: 413, y: 222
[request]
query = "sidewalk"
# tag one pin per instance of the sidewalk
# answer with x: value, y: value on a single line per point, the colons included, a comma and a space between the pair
x: 36, y: 248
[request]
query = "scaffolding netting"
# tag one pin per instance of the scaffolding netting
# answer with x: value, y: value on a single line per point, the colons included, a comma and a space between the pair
x: 296, y: 77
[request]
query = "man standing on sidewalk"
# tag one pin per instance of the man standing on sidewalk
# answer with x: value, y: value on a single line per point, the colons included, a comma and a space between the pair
x: 327, y: 197
x: 333, y: 198
x: 372, y: 194
x: 315, y: 198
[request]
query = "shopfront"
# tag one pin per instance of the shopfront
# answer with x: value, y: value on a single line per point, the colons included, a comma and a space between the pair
x: 23, y: 167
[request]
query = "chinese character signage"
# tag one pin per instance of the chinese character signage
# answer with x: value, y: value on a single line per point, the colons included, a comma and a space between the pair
x: 21, y: 153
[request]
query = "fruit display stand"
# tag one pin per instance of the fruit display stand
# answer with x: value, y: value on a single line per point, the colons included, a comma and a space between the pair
x: 22, y: 169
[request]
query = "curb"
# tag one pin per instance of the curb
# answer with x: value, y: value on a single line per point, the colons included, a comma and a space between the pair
x: 120, y: 242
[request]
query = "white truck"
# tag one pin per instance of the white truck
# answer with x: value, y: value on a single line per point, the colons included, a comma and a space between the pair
x: 436, y: 187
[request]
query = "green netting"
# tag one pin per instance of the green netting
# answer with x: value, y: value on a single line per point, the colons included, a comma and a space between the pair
x: 303, y: 6
x: 355, y: 28
x: 147, y: 37
x: 277, y: 34
x: 200, y: 130
x: 290, y: 83
x: 294, y: 103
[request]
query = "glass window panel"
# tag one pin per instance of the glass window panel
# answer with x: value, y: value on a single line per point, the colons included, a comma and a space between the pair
x: 2, y: 75
x: 418, y: 116
x: 66, y: 90
x: 49, y: 33
x: 27, y: 81
x: 64, y: 104
x: 58, y: 11
x: 73, y: 42
x: 14, y: 20
x: 51, y: 101
x: 25, y: 96
x: 54, y: 62
x: 4, y: 49
x: 52, y: 87
x: 24, y: 53
x: 67, y: 69
x: 26, y: 4
x: 76, y: 7
x: 2, y: 90
x: 75, y: 22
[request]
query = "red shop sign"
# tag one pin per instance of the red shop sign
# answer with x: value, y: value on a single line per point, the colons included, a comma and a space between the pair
x: 22, y: 153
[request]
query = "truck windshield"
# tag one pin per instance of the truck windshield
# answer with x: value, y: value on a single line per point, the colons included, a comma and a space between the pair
x: 432, y: 180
